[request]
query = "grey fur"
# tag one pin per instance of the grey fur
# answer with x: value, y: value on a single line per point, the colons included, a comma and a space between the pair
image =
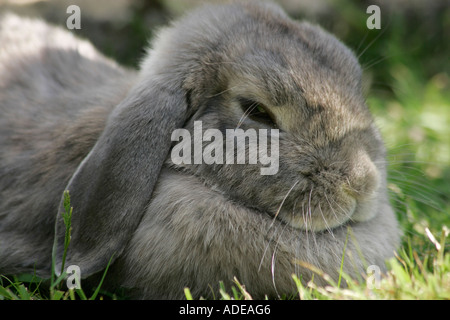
x: 72, y: 119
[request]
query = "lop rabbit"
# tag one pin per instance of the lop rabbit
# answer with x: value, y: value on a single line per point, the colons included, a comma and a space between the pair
x: 71, y: 119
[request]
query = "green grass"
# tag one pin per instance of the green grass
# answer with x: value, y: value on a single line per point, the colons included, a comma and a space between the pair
x: 410, y: 99
x: 27, y: 287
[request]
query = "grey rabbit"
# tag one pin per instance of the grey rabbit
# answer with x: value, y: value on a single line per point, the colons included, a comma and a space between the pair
x: 72, y: 119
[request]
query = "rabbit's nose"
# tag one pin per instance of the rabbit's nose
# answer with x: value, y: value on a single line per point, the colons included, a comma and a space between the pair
x: 363, y: 177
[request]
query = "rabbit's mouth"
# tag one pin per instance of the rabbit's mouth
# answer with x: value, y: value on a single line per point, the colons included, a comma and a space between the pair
x: 324, y: 216
x: 317, y: 220
x: 329, y: 196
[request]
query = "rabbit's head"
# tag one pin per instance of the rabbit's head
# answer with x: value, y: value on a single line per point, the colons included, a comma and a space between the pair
x: 245, y: 66
x: 260, y: 70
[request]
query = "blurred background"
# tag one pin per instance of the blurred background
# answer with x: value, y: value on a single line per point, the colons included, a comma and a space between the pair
x: 406, y: 67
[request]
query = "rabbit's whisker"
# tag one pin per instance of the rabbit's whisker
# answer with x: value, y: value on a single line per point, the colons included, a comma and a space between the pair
x: 273, y: 260
x: 246, y: 114
x: 282, y: 202
x: 273, y: 221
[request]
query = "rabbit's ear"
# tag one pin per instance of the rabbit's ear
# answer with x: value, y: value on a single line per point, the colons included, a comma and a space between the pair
x: 111, y: 187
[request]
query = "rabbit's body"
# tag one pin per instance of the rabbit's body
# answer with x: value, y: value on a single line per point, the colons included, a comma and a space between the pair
x: 72, y: 119
x: 201, y: 237
x: 56, y: 92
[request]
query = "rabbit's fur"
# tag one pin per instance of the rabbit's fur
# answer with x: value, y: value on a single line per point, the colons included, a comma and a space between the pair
x: 72, y: 119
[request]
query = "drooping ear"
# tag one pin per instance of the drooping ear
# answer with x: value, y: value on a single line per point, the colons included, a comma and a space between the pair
x: 111, y: 187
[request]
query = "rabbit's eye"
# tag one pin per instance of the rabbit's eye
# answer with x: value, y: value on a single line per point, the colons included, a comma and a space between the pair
x: 256, y: 111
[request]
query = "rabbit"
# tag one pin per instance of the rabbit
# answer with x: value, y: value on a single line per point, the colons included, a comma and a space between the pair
x: 72, y: 119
